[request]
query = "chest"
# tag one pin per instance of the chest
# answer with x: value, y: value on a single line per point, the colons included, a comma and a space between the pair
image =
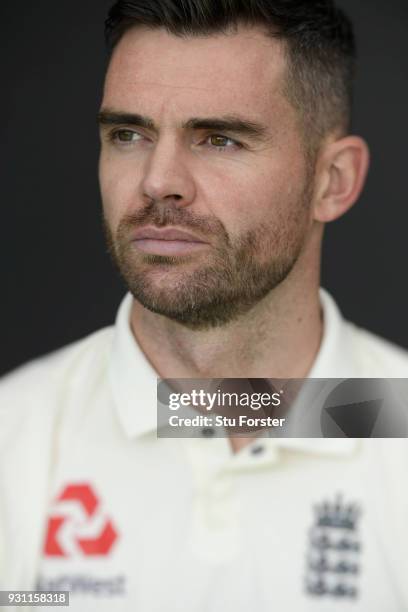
x: 162, y: 525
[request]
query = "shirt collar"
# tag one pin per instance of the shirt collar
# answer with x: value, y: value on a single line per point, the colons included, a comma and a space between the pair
x: 336, y: 357
x: 133, y: 380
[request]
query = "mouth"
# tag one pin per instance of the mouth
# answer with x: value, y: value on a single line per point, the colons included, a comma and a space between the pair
x: 166, y: 241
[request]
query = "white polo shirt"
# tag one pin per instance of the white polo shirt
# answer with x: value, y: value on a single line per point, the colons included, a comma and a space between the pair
x: 93, y: 502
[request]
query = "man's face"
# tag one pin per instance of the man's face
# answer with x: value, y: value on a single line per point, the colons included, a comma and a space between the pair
x: 239, y: 188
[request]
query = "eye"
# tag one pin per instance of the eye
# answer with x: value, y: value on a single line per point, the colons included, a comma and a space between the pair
x: 222, y: 142
x: 124, y: 136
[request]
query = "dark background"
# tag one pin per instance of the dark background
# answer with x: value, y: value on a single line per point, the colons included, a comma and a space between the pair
x: 58, y: 283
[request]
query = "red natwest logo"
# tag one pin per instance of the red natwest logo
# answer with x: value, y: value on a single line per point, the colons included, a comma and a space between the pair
x: 77, y: 526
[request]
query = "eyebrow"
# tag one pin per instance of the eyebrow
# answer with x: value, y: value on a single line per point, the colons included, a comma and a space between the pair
x: 228, y: 123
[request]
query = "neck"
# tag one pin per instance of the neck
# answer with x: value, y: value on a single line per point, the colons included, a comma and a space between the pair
x: 278, y: 338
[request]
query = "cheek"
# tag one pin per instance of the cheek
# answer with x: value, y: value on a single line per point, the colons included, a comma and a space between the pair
x: 278, y: 192
x: 118, y: 185
x: 254, y: 197
x: 235, y: 194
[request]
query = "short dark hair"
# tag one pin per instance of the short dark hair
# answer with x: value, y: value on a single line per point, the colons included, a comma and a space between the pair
x: 319, y: 43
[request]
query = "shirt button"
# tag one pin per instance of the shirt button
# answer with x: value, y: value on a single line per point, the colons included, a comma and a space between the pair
x: 257, y: 450
x: 207, y: 432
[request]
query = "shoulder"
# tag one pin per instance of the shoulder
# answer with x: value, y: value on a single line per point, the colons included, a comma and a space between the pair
x: 34, y: 388
x: 52, y: 367
x: 378, y: 357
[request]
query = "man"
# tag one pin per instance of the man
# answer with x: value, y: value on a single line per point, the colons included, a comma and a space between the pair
x: 225, y: 149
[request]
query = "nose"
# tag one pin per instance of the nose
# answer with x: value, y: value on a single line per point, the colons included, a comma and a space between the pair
x: 167, y: 178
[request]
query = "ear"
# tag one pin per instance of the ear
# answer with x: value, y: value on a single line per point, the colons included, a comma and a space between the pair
x: 340, y: 176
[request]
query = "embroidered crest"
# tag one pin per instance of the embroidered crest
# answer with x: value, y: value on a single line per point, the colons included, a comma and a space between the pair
x: 333, y: 559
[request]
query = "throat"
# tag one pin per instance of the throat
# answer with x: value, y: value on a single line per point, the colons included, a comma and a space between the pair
x: 269, y: 346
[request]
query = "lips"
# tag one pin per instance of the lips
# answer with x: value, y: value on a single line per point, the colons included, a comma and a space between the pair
x: 166, y: 241
x: 152, y: 233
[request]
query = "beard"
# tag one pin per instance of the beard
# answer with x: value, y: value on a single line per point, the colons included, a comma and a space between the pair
x: 217, y: 285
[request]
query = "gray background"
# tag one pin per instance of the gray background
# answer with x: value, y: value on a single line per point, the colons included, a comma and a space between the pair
x: 57, y: 281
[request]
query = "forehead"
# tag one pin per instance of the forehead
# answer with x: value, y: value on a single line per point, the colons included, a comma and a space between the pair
x: 152, y: 70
